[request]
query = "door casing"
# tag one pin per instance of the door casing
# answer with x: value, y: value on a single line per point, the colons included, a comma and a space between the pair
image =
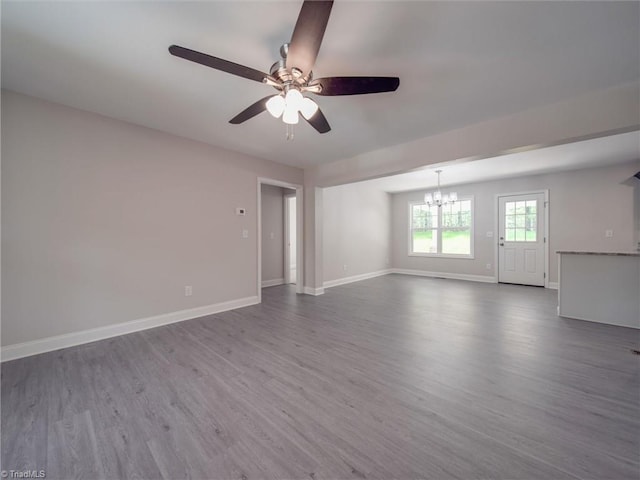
x: 287, y: 244
x: 299, y: 231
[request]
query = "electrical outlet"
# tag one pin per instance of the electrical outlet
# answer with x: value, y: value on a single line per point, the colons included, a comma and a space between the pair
x: 272, y: 236
x: 488, y: 266
x: 344, y: 267
x: 608, y: 233
x: 489, y: 234
x: 188, y: 290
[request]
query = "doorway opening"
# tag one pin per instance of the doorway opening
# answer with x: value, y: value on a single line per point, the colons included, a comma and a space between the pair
x: 523, y: 249
x: 280, y: 235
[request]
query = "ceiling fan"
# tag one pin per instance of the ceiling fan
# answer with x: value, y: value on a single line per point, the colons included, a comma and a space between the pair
x: 292, y: 75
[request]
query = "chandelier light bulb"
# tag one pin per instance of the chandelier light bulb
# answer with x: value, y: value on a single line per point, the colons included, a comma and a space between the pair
x: 275, y: 105
x: 308, y: 108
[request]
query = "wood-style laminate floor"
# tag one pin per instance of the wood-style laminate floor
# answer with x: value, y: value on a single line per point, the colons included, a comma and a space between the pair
x: 393, y: 377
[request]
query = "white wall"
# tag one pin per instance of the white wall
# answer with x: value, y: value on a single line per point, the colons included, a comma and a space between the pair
x: 592, y: 114
x: 583, y: 204
x: 356, y: 221
x: 106, y: 222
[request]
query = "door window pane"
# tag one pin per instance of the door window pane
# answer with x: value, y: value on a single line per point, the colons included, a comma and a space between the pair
x: 510, y: 208
x: 530, y: 236
x: 531, y: 206
x: 510, y: 234
x: 520, y: 221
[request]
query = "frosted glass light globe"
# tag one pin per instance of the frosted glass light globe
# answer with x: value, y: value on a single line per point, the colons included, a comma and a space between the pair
x: 275, y: 105
x: 294, y: 99
x: 290, y: 115
x: 308, y: 108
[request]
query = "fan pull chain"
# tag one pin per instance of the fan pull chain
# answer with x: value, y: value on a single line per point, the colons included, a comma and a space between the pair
x: 289, y: 131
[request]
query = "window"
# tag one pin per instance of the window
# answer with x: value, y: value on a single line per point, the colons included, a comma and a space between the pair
x: 441, y: 231
x: 520, y: 220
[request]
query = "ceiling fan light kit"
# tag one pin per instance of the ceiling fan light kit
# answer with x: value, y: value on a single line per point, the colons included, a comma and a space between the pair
x: 292, y: 75
x: 290, y: 105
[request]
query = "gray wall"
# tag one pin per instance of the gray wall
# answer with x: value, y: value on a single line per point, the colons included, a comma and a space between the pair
x: 105, y: 222
x: 272, y: 232
x: 356, y: 220
x: 583, y: 204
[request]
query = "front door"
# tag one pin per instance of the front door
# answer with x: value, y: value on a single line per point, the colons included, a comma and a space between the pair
x: 521, y: 239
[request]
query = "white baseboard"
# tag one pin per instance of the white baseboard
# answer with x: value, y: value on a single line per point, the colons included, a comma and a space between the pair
x: 272, y: 283
x: 355, y: 278
x: 451, y: 276
x: 19, y: 350
x: 457, y: 276
x: 314, y: 291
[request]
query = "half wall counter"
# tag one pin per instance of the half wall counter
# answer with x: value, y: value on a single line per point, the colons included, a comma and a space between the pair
x: 600, y: 287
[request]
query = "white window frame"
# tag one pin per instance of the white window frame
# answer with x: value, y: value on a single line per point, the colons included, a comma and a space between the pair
x: 439, y: 232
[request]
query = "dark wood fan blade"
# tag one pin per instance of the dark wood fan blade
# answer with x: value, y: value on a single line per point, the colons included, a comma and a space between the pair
x: 356, y: 85
x: 319, y: 122
x: 307, y: 35
x: 217, y: 63
x: 250, y: 112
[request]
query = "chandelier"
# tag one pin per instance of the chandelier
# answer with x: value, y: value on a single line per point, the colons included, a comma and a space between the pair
x: 437, y: 198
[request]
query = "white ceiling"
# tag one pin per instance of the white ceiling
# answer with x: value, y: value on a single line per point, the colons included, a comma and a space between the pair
x: 596, y: 152
x: 459, y: 63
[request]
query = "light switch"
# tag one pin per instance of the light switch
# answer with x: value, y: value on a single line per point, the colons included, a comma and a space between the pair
x: 245, y: 233
x: 608, y: 233
x: 272, y: 235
